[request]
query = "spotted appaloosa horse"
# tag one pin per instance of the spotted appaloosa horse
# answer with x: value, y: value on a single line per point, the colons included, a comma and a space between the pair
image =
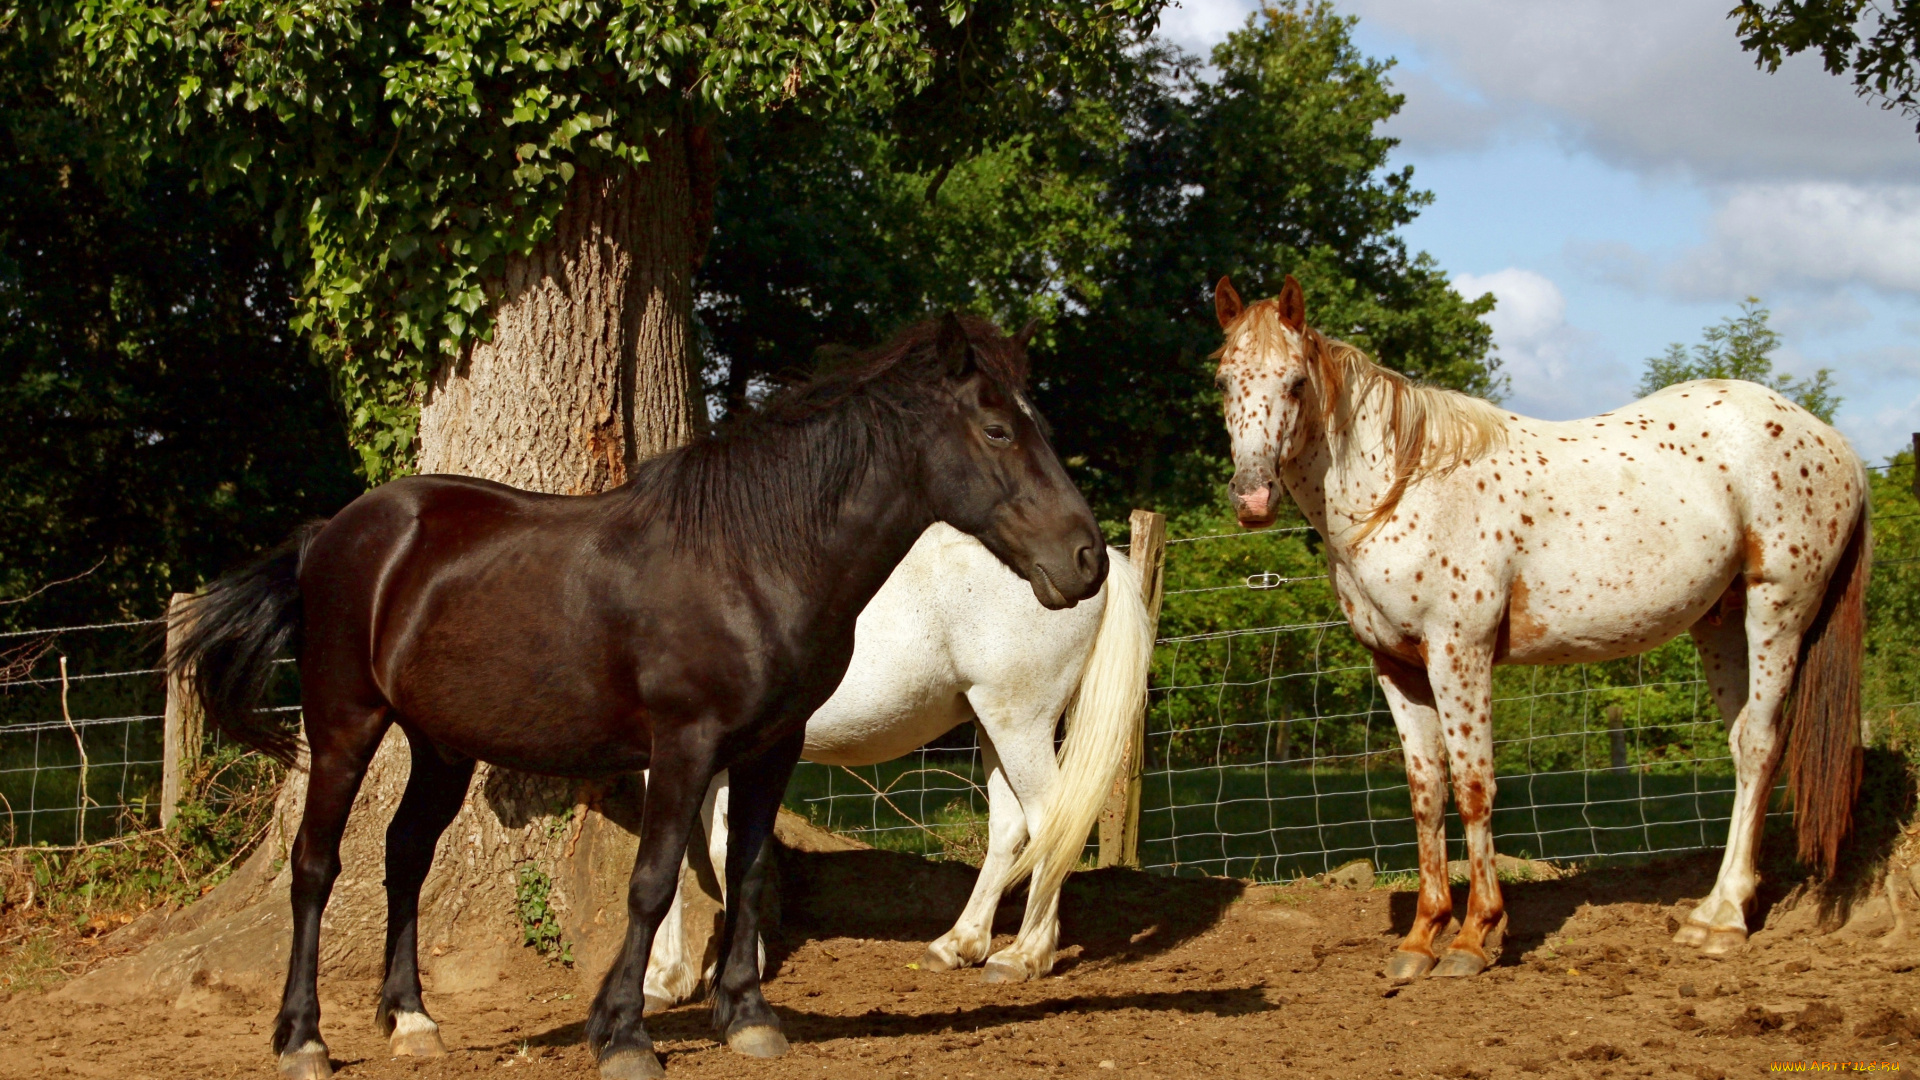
x: 1462, y: 536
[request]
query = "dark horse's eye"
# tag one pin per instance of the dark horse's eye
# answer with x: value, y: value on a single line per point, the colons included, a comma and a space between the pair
x: 999, y: 434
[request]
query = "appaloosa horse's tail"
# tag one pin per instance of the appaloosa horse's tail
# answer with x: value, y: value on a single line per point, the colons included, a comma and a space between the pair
x: 1823, y: 729
x: 229, y: 635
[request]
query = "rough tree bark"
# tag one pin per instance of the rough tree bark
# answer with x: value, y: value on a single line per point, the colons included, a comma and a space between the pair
x: 589, y: 371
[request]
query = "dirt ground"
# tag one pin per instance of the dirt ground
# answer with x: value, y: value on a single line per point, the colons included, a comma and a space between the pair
x: 1159, y: 977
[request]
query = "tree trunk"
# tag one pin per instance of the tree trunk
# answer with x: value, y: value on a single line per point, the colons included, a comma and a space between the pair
x: 588, y: 372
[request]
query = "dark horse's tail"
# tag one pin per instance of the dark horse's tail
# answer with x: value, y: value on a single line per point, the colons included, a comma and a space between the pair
x: 227, y: 637
x: 1823, y: 730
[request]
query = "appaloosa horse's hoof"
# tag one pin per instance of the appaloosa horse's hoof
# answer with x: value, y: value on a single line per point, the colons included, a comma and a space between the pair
x: 415, y: 1035
x: 1408, y: 966
x: 758, y: 1040
x: 631, y: 1065
x: 1003, y: 971
x: 1723, y: 941
x: 309, y: 1062
x: 1459, y: 964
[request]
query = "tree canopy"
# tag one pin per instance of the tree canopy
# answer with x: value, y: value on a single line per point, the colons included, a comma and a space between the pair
x: 1885, y: 64
x: 1741, y: 347
x: 406, y: 150
x: 1111, y: 224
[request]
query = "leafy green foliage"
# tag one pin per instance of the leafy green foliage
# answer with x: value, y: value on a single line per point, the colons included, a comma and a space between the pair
x: 158, y: 422
x: 408, y: 150
x: 1111, y: 222
x: 539, y: 922
x: 1741, y: 347
x: 1885, y: 64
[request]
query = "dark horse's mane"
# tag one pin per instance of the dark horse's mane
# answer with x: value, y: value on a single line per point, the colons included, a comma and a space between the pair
x: 764, y: 489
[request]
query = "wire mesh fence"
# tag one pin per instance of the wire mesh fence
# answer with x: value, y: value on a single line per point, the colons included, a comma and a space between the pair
x: 81, y: 711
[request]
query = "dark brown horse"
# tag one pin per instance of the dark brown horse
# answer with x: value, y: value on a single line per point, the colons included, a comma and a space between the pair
x: 687, y: 622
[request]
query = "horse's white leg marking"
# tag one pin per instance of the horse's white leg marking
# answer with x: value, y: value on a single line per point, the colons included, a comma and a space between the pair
x: 1775, y: 618
x: 673, y: 975
x: 415, y: 1035
x: 1462, y: 678
x: 970, y: 939
x: 1410, y: 698
x: 1026, y: 758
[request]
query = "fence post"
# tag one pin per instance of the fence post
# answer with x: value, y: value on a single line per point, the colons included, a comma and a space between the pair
x: 1120, y: 816
x: 180, y: 746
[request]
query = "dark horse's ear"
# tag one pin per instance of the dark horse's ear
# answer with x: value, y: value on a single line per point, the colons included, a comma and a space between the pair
x: 1226, y: 302
x: 955, y: 355
x: 1025, y: 333
x: 1293, y: 305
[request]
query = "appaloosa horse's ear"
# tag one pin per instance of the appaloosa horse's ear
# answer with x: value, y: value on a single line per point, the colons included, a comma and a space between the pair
x: 1226, y: 302
x: 1293, y: 305
x: 955, y: 355
x: 1025, y: 333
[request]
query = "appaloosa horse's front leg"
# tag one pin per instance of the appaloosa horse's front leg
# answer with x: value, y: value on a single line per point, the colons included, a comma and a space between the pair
x: 342, y: 740
x: 1462, y: 678
x: 1410, y: 697
x: 740, y: 1010
x: 435, y: 789
x: 676, y: 785
x: 1750, y: 683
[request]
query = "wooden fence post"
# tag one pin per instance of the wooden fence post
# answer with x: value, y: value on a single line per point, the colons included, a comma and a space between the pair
x: 180, y: 745
x: 1120, y: 817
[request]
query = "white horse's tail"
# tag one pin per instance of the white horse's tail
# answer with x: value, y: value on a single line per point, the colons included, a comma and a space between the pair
x: 1100, y: 722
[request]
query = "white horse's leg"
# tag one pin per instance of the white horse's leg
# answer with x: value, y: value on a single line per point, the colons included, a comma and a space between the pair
x: 673, y: 974
x: 1026, y: 756
x: 1410, y: 698
x: 972, y: 935
x: 1462, y: 678
x: 1771, y: 651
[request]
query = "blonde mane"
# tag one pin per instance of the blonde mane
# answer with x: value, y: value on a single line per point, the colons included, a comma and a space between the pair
x: 1431, y: 430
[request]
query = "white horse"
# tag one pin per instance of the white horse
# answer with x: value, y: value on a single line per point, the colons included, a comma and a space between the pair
x: 955, y: 636
x: 1463, y: 536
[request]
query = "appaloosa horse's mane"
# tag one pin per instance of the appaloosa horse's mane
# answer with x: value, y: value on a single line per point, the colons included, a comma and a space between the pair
x: 1434, y: 430
x: 822, y: 435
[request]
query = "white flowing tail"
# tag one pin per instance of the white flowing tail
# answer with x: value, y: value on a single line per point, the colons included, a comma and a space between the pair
x: 1100, y: 722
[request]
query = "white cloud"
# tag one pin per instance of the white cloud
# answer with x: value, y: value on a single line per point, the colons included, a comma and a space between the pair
x: 1820, y: 236
x: 1198, y: 25
x: 1558, y: 371
x: 1644, y: 84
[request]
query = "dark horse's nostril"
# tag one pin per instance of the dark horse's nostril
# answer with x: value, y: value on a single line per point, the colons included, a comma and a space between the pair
x: 1088, y: 560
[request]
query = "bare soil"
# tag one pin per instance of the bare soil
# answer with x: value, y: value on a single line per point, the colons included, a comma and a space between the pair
x: 1159, y: 977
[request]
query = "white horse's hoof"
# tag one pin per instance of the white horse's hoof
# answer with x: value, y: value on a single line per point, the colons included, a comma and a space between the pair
x: 1004, y: 971
x: 933, y: 961
x: 631, y: 1065
x: 1406, y: 966
x: 1724, y: 941
x: 415, y: 1035
x: 309, y: 1062
x: 654, y: 1005
x: 1692, y: 933
x: 759, y: 1040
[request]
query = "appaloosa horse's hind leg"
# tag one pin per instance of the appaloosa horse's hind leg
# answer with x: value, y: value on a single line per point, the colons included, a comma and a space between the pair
x: 1410, y: 697
x: 435, y: 789
x: 740, y: 1010
x: 342, y: 740
x: 1750, y: 665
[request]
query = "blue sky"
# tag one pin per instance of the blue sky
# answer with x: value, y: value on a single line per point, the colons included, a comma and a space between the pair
x: 1620, y: 176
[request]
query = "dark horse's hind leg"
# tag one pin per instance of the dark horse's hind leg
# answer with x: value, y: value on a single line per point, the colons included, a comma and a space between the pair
x: 435, y: 788
x: 342, y: 741
x: 676, y: 786
x: 739, y: 1009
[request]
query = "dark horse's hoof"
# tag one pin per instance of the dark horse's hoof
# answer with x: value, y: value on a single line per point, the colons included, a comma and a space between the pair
x: 309, y: 1062
x: 759, y: 1040
x: 1459, y: 964
x: 631, y: 1065
x: 1408, y: 966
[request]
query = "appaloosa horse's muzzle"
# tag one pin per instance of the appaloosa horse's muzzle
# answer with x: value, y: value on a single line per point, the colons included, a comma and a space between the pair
x: 1254, y: 501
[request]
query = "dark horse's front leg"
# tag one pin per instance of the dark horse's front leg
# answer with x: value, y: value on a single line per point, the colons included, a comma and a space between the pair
x: 739, y: 1009
x: 682, y: 766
